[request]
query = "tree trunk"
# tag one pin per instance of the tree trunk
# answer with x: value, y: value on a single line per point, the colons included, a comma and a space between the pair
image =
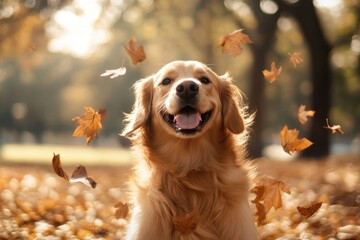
x: 305, y: 14
x: 264, y: 38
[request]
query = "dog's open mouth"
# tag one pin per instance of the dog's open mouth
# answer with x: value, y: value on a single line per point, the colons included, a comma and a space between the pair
x: 188, y: 120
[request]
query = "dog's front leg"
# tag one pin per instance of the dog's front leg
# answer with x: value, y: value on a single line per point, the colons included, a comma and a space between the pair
x: 245, y: 223
x: 147, y: 224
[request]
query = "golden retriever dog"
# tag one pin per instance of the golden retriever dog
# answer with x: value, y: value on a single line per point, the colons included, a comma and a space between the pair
x: 190, y: 128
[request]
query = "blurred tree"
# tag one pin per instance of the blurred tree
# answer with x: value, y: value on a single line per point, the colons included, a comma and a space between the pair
x: 305, y: 14
x: 264, y: 37
x: 53, y: 87
x: 22, y: 24
x: 267, y: 18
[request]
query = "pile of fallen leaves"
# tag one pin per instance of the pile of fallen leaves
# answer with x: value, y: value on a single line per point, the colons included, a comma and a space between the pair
x: 321, y: 199
x: 34, y: 204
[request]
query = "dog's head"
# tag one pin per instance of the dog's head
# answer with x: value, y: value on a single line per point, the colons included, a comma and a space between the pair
x: 186, y: 99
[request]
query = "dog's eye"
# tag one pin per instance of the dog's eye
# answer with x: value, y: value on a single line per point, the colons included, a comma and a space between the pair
x: 204, y: 80
x: 166, y: 81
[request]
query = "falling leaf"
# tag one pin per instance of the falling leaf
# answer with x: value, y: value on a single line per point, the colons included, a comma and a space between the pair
x: 270, y: 192
x: 290, y: 141
x: 260, y: 213
x: 268, y: 195
x: 307, y: 212
x: 89, y: 123
x: 296, y: 58
x: 260, y: 208
x: 188, y: 223
x: 231, y: 43
x: 334, y: 129
x: 122, y: 210
x: 272, y: 75
x: 114, y: 72
x: 136, y: 54
x: 303, y: 114
x: 79, y: 174
x: 56, y: 163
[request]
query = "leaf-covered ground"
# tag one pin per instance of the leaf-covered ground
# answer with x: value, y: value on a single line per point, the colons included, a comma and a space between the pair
x: 36, y: 204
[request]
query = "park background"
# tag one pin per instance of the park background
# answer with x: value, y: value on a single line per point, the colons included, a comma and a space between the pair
x: 52, y: 53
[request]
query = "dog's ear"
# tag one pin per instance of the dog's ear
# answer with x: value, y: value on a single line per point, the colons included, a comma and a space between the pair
x: 231, y: 112
x: 142, y: 107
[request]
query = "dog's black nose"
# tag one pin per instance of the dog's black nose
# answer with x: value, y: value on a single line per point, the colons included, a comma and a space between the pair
x: 187, y: 89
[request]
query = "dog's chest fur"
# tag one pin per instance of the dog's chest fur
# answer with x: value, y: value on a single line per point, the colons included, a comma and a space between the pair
x: 203, y: 191
x: 214, y: 194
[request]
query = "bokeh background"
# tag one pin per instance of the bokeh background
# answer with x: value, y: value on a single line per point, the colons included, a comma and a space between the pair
x: 52, y: 53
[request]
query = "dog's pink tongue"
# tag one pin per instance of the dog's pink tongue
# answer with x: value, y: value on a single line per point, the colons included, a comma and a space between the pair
x: 188, y: 121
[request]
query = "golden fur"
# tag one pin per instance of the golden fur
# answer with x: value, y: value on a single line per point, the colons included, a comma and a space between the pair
x: 179, y: 173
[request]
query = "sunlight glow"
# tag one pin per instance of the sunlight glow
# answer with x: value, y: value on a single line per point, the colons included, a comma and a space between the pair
x: 355, y: 44
x: 330, y: 4
x: 284, y: 24
x: 75, y: 29
x: 269, y: 7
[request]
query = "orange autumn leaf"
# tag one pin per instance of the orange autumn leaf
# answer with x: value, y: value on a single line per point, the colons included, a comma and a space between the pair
x: 122, y: 210
x: 260, y: 213
x: 268, y: 195
x: 303, y: 114
x: 334, y: 129
x: 307, y: 212
x: 290, y: 141
x: 269, y: 191
x: 136, y: 54
x: 273, y: 74
x: 260, y: 208
x: 89, y: 123
x: 231, y: 43
x: 188, y: 223
x: 296, y: 58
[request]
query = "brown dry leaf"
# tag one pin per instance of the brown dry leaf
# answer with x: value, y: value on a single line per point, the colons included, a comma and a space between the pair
x: 231, y: 43
x: 89, y: 123
x: 122, y: 210
x: 188, y: 223
x: 79, y: 174
x: 307, y: 212
x: 113, y: 73
x: 268, y: 195
x: 56, y: 163
x: 334, y: 129
x: 296, y: 58
x: 290, y: 141
x: 260, y: 208
x: 136, y: 54
x: 272, y: 75
x: 260, y: 213
x: 270, y: 192
x: 303, y: 114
